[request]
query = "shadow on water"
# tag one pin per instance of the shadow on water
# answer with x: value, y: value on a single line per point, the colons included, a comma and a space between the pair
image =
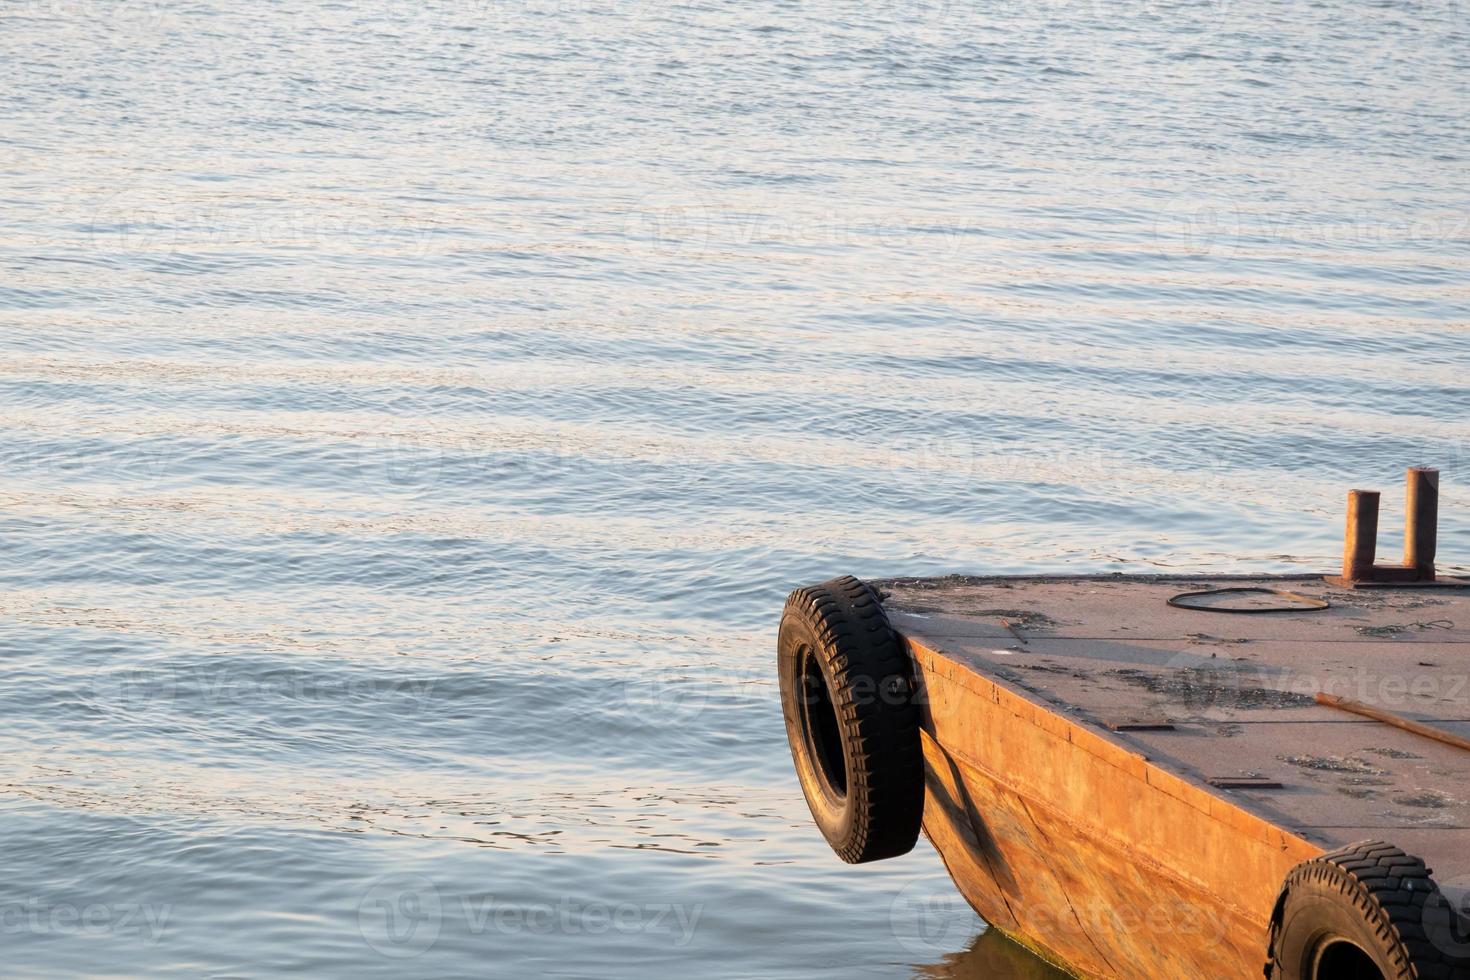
x: 991, y: 956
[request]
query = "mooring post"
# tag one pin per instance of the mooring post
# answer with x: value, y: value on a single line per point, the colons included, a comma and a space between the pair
x: 1421, y: 530
x: 1361, y: 542
x: 1421, y: 521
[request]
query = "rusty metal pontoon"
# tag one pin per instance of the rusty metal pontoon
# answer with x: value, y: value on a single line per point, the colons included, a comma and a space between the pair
x: 1138, y: 789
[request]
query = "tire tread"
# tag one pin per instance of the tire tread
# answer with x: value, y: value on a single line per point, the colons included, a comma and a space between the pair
x: 1389, y: 889
x: 880, y: 735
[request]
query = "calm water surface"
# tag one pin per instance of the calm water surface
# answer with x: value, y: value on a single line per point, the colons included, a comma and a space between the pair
x: 416, y: 413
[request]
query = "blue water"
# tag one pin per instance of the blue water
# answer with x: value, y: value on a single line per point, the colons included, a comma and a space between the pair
x: 416, y: 412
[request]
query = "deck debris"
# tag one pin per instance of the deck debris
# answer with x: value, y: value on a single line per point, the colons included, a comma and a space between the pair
x: 1026, y: 618
x: 1394, y: 753
x: 1212, y: 687
x: 1397, y: 629
x: 1207, y: 638
x: 1334, y: 763
x: 1429, y: 799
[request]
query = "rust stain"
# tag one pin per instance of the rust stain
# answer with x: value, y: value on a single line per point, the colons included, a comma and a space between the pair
x: 1084, y: 850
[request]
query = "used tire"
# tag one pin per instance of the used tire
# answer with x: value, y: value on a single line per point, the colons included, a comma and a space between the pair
x: 1357, y: 914
x: 847, y: 692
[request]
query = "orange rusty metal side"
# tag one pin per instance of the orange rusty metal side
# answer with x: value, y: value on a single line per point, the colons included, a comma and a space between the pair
x: 1081, y: 849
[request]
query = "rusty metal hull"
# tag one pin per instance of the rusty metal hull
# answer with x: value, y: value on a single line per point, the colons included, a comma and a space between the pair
x: 1075, y: 794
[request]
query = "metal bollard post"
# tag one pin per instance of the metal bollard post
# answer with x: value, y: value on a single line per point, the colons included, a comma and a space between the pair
x: 1361, y: 542
x: 1421, y: 521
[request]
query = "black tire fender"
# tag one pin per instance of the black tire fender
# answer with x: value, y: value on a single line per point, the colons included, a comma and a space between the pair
x: 847, y: 694
x: 1352, y: 911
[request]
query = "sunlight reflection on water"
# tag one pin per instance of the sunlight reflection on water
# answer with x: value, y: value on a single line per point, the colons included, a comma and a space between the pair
x: 416, y: 414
